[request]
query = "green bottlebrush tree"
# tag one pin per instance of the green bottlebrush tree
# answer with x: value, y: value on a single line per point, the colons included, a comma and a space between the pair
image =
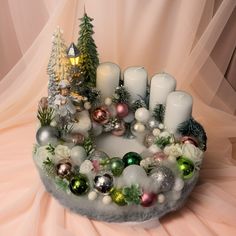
x: 58, y: 65
x: 89, y: 57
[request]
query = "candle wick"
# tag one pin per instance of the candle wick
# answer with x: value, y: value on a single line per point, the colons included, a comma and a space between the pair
x: 139, y: 68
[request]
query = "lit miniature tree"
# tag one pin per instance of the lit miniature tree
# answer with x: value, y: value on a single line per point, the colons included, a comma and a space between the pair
x: 88, y: 49
x: 58, y: 66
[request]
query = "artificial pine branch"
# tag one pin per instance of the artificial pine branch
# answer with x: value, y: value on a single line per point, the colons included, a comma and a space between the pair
x: 88, y: 145
x: 138, y: 104
x: 49, y: 167
x: 121, y: 95
x: 192, y: 128
x: 45, y: 115
x: 159, y: 113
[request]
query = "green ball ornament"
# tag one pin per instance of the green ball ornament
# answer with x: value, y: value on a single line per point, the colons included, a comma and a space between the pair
x: 118, y: 197
x: 117, y: 166
x: 79, y: 185
x: 131, y: 158
x: 186, y: 167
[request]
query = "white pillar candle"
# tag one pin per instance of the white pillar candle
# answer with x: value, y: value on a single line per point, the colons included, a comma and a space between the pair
x: 161, y: 85
x: 135, y: 81
x: 178, y: 109
x: 108, y: 76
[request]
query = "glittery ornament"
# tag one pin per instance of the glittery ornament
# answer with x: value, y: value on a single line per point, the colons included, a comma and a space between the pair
x: 101, y: 115
x: 64, y: 169
x: 131, y: 158
x: 186, y: 167
x: 118, y: 197
x: 163, y: 177
x: 148, y: 199
x: 149, y: 140
x: 119, y: 129
x: 76, y: 138
x: 188, y: 139
x: 47, y: 135
x: 122, y: 109
x: 103, y: 183
x: 79, y: 185
x: 117, y: 166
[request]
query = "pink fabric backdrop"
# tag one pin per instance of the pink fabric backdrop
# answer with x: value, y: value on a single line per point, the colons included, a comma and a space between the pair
x: 176, y: 36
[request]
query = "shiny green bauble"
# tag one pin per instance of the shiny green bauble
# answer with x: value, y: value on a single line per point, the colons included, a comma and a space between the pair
x: 118, y: 197
x: 79, y: 185
x: 117, y: 166
x: 186, y: 167
x: 131, y: 158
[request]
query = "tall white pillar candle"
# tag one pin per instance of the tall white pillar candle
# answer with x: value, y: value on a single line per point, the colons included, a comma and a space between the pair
x: 161, y: 85
x: 108, y: 76
x: 178, y: 109
x: 135, y: 81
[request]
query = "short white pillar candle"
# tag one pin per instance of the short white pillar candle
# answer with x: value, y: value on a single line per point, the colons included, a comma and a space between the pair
x: 135, y: 81
x: 161, y: 85
x: 178, y: 109
x: 108, y: 76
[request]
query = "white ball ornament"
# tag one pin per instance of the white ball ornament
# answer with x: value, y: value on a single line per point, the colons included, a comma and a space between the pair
x: 92, y: 196
x: 106, y: 200
x: 161, y: 126
x: 179, y: 184
x: 78, y: 155
x: 161, y: 198
x: 108, y: 101
x: 142, y: 115
x: 134, y: 174
x: 87, y: 105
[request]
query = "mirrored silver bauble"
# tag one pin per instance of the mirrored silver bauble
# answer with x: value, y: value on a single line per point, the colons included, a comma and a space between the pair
x: 103, y: 183
x: 163, y: 177
x: 46, y: 135
x: 64, y: 169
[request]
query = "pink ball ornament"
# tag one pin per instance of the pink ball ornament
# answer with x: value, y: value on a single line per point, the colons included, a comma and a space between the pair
x: 119, y: 130
x: 148, y: 199
x: 122, y: 110
x: 101, y: 115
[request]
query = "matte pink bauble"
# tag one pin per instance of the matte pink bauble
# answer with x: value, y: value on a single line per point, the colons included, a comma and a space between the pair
x: 122, y: 110
x: 148, y: 199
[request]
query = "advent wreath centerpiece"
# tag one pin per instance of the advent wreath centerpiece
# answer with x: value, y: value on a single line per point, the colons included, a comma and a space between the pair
x: 112, y: 149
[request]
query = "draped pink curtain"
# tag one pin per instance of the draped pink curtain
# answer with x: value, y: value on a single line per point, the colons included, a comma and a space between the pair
x: 184, y: 38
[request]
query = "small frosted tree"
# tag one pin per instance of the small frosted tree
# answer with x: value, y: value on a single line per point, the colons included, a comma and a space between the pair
x: 58, y: 66
x: 88, y: 49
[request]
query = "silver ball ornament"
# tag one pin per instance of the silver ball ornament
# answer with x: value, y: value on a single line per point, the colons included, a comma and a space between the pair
x: 163, y: 177
x: 46, y: 135
x: 103, y: 183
